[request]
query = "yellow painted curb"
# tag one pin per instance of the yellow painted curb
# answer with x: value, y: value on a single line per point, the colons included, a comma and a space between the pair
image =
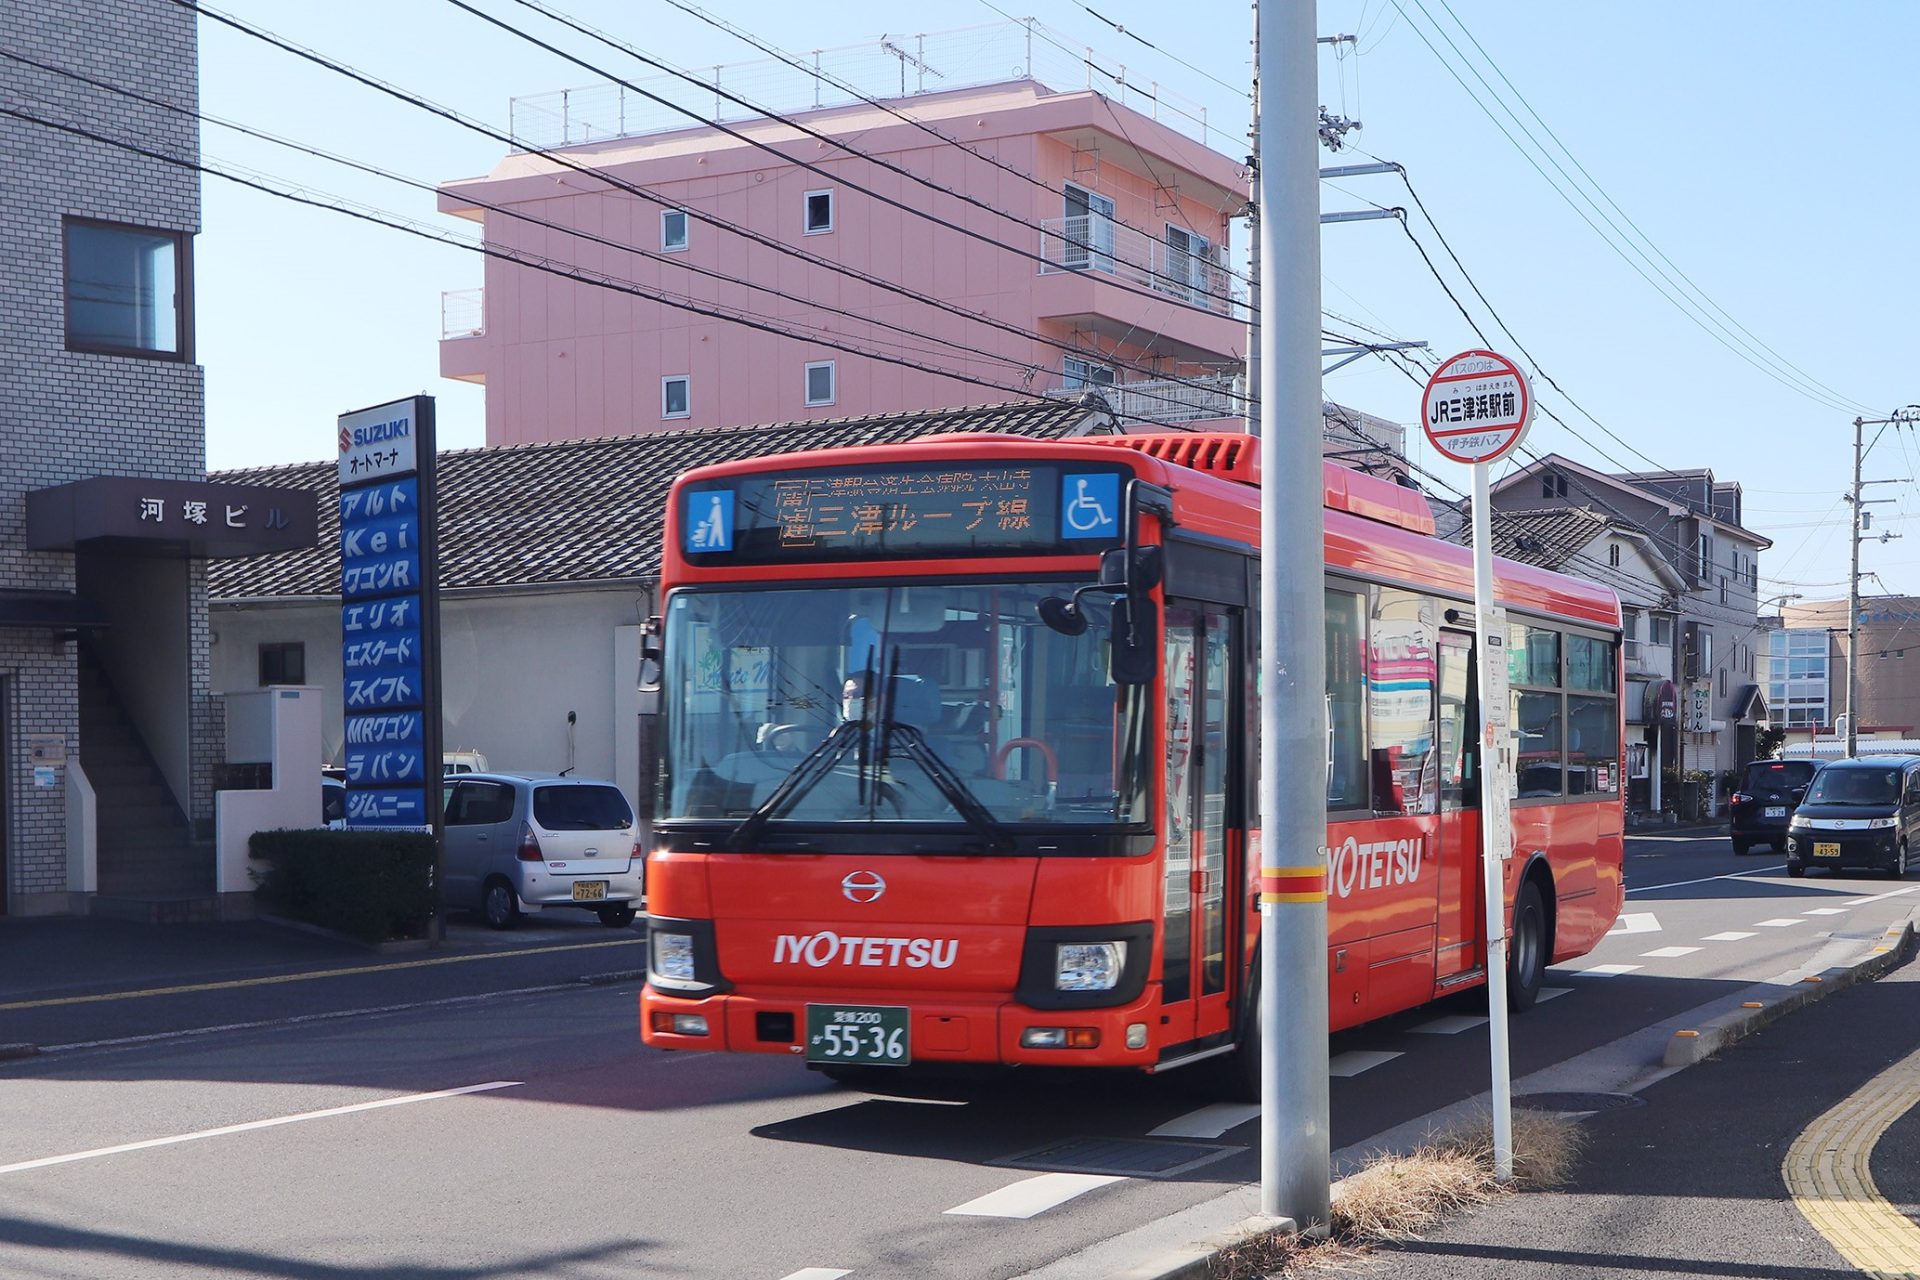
x: 1826, y: 1171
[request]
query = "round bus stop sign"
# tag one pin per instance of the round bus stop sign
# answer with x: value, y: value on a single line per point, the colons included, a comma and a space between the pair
x: 1476, y: 406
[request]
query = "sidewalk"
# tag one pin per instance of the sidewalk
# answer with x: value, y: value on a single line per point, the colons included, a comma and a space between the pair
x: 1687, y: 1178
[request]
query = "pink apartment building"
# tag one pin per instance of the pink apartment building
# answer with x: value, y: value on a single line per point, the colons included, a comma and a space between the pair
x: 1110, y: 274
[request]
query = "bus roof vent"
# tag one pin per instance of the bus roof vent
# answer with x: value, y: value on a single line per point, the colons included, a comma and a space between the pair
x: 1230, y: 455
x: 1234, y: 456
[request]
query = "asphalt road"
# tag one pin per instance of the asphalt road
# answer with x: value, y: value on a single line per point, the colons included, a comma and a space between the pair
x: 579, y: 1153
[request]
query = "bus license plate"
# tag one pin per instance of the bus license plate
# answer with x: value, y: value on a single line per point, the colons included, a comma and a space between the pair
x: 1823, y: 850
x: 867, y: 1035
x: 1776, y: 811
x: 589, y: 890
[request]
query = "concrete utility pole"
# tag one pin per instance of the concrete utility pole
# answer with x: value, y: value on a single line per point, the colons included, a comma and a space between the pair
x: 1253, y: 243
x: 1902, y: 417
x: 1295, y: 1151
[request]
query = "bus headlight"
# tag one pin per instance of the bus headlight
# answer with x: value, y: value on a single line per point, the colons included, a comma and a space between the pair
x: 673, y: 955
x: 1088, y: 966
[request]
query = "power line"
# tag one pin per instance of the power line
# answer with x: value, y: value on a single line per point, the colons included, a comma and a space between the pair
x: 620, y: 46
x: 721, y: 24
x: 1647, y: 240
x: 698, y: 215
x: 1165, y: 53
x: 1687, y: 309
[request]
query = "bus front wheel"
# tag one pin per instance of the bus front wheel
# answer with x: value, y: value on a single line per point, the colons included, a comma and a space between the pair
x: 1527, y: 948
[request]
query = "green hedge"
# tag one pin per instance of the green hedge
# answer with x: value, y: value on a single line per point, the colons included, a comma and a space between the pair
x: 376, y: 885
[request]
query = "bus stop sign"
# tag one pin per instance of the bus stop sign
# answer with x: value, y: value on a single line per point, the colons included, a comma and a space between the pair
x: 1476, y: 406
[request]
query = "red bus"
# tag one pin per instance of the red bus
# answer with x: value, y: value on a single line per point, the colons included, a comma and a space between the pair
x: 953, y: 757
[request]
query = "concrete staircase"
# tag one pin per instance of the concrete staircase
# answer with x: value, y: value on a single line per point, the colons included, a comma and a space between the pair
x: 149, y: 866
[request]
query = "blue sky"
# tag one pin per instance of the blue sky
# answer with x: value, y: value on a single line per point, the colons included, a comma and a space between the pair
x: 1757, y: 161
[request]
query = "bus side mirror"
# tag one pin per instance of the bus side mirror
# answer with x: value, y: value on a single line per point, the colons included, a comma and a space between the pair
x: 647, y: 680
x: 1134, y: 646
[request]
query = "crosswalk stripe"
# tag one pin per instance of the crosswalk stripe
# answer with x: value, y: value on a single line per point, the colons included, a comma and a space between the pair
x: 1608, y: 970
x: 1208, y: 1122
x: 1552, y: 993
x: 1780, y: 923
x: 1031, y: 1196
x: 1731, y: 935
x: 1354, y: 1061
x: 1451, y: 1025
x: 1825, y: 911
x: 818, y: 1273
x: 1668, y: 953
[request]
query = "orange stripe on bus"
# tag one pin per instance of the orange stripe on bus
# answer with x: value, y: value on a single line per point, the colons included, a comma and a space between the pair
x: 1275, y: 899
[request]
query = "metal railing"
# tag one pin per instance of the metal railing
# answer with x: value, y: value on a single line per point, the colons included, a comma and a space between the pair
x: 896, y: 66
x: 463, y: 313
x: 1094, y: 242
x: 1164, y: 400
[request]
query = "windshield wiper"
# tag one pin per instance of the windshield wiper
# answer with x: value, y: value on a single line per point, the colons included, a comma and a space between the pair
x: 802, y: 778
x: 952, y: 786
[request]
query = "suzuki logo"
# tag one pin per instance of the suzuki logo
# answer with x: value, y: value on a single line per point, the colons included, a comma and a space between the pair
x: 863, y: 886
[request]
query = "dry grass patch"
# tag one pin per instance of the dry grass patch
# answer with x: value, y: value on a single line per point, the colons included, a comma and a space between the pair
x: 1399, y: 1197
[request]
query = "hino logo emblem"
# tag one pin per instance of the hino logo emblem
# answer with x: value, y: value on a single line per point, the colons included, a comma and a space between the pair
x: 863, y: 886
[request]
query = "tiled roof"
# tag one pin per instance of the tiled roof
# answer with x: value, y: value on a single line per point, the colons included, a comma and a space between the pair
x: 1548, y: 539
x: 584, y: 511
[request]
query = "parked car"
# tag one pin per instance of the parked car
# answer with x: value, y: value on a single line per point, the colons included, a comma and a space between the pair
x: 462, y: 760
x: 1760, y: 806
x: 1857, y: 813
x: 520, y: 842
x: 333, y: 803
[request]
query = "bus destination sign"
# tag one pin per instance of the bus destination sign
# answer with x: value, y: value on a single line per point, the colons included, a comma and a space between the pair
x: 904, y: 510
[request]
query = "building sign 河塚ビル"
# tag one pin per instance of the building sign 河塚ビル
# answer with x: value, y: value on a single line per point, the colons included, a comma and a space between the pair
x: 389, y: 615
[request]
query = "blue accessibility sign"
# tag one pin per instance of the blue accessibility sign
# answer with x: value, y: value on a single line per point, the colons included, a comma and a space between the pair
x: 1090, y: 505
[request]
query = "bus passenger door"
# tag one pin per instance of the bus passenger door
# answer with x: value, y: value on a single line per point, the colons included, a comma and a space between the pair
x: 1462, y: 917
x: 1197, y: 951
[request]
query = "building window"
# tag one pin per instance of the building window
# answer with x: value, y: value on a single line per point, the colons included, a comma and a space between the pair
x: 127, y: 290
x: 1723, y: 682
x: 283, y: 663
x: 819, y: 212
x: 1084, y: 373
x: 820, y: 388
x: 1723, y: 590
x: 1613, y: 554
x: 1553, y: 485
x: 673, y: 230
x: 1705, y: 565
x: 1660, y: 628
x: 676, y: 396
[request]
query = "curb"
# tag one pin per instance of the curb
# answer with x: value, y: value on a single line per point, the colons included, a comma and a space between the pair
x: 1685, y: 1048
x: 1691, y: 1045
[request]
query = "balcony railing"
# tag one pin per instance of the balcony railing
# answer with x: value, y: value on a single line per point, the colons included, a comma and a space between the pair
x: 463, y: 313
x: 1093, y: 242
x: 1168, y: 401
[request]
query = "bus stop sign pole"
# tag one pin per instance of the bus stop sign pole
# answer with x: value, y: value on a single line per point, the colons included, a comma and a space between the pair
x: 1475, y: 410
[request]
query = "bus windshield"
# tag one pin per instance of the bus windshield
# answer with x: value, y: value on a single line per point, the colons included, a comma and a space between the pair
x: 922, y: 703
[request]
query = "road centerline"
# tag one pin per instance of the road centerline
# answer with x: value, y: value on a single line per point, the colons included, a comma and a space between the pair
x: 269, y: 1123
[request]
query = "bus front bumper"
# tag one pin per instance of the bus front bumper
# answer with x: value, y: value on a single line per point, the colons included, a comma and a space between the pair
x: 982, y: 1029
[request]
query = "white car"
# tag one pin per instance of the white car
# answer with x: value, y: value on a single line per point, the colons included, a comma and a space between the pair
x: 520, y: 842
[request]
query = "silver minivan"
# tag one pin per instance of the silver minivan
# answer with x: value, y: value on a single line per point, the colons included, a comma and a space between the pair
x: 520, y: 842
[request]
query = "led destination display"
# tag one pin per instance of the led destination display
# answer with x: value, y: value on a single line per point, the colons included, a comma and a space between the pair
x: 904, y: 510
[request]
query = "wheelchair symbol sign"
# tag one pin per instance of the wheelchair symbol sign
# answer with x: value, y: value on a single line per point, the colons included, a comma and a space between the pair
x: 1090, y: 506
x: 709, y: 524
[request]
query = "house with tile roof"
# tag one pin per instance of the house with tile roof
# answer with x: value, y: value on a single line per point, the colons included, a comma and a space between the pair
x: 549, y: 563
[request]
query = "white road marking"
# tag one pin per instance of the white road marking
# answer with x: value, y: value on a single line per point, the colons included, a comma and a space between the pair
x: 1636, y: 922
x: 1033, y: 1196
x: 1732, y: 875
x: 1207, y: 1122
x: 224, y: 1130
x: 817, y: 1273
x: 1779, y: 923
x: 1608, y: 970
x: 1894, y: 893
x: 1731, y: 935
x: 1354, y: 1061
x: 1551, y: 993
x: 1825, y: 911
x: 1451, y: 1025
x: 1668, y: 953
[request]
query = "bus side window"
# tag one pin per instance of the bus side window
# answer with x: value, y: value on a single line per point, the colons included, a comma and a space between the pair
x: 1346, y: 700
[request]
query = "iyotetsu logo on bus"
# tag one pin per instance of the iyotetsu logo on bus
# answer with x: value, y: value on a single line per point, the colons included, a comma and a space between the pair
x: 1358, y: 864
x: 827, y: 947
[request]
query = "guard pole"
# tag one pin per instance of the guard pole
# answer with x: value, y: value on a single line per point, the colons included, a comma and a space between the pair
x: 1294, y: 1147
x: 1496, y: 824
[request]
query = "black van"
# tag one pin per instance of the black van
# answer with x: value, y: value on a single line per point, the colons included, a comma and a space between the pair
x: 1765, y: 799
x: 1858, y: 813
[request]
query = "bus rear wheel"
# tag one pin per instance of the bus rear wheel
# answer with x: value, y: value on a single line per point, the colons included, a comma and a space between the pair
x: 1527, y: 948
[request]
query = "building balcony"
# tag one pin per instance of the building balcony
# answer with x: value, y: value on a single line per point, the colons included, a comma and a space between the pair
x: 463, y: 331
x: 1170, y: 402
x: 1122, y: 284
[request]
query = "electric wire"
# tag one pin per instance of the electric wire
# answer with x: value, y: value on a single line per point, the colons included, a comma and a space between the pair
x: 1185, y: 286
x: 1690, y: 310
x: 1135, y: 36
x: 698, y: 215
